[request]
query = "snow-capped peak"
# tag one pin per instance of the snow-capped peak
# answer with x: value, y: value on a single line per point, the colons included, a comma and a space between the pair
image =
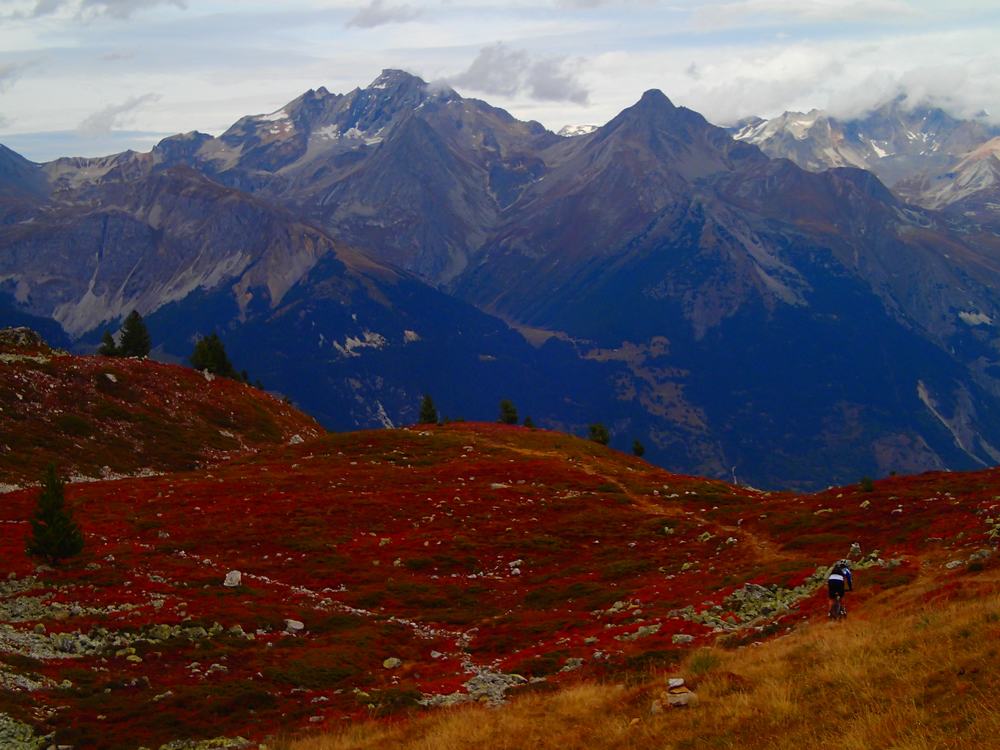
x: 569, y: 131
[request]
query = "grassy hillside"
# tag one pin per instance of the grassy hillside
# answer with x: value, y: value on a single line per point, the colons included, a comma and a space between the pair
x: 910, y: 671
x: 98, y: 416
x: 428, y: 567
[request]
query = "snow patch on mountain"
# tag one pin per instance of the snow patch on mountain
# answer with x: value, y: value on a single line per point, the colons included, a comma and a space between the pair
x: 975, y: 318
x: 281, y: 114
x: 352, y: 344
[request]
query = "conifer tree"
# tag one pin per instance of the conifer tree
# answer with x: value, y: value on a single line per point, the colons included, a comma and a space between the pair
x: 599, y: 434
x: 54, y: 534
x: 135, y: 341
x: 108, y: 346
x: 508, y: 412
x: 638, y: 449
x: 428, y: 412
x: 210, y: 354
x: 529, y: 422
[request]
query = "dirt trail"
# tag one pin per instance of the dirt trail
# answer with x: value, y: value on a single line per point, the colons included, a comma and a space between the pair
x: 766, y: 550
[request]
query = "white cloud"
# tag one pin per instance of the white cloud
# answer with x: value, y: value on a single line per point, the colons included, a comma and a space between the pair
x: 723, y: 15
x: 114, y: 116
x: 86, y: 8
x: 563, y: 61
x: 9, y: 73
x: 502, y: 70
x: 378, y: 13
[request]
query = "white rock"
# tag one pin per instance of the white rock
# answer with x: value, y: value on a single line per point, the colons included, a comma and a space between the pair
x: 296, y: 440
x: 294, y: 626
x: 233, y: 579
x: 675, y: 682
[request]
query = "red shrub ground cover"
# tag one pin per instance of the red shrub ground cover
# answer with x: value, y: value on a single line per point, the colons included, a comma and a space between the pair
x: 100, y: 416
x: 452, y: 549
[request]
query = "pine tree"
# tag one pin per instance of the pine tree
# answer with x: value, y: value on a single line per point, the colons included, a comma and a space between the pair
x: 108, y: 346
x: 209, y: 354
x: 529, y: 422
x: 638, y: 449
x: 599, y: 434
x: 54, y: 533
x: 508, y: 413
x: 135, y: 341
x: 428, y: 412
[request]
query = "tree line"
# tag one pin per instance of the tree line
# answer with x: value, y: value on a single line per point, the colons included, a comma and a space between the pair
x: 209, y: 353
x: 597, y: 432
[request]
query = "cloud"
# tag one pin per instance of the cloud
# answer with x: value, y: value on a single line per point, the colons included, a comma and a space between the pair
x: 736, y: 13
x: 116, y: 56
x: 504, y: 71
x: 9, y: 73
x: 114, y: 115
x: 120, y: 9
x: 4, y: 122
x: 378, y: 13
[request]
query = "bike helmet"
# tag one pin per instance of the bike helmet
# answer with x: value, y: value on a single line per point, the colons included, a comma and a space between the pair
x: 844, y: 564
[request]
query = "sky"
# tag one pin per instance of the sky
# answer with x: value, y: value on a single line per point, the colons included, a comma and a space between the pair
x: 90, y: 77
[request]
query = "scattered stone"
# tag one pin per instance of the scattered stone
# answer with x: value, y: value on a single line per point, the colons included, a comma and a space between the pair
x: 294, y: 626
x: 682, y: 698
x: 296, y: 440
x: 220, y: 743
x: 980, y: 555
x: 675, y: 682
x: 233, y: 578
x: 17, y: 736
x: 643, y: 632
x: 680, y: 638
x: 955, y: 564
x: 392, y: 663
x: 572, y: 664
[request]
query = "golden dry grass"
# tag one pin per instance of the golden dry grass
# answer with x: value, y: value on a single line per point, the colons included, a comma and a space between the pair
x: 903, y: 675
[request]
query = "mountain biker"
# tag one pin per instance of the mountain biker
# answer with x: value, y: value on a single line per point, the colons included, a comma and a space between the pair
x: 839, y: 582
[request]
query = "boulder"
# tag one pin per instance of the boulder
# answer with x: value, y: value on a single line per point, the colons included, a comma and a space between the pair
x: 682, y: 638
x: 682, y: 699
x: 392, y: 663
x: 233, y: 578
x: 294, y: 626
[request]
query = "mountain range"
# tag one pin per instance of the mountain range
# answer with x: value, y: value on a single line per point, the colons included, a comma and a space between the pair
x: 926, y: 155
x: 738, y: 314
x: 258, y: 580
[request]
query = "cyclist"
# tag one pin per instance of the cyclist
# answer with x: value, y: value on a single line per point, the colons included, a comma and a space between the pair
x: 839, y: 582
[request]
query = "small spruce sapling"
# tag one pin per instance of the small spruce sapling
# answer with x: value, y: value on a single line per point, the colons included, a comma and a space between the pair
x: 529, y: 422
x: 428, y: 412
x: 108, y: 346
x: 54, y: 534
x: 508, y: 412
x: 599, y: 434
x: 638, y: 449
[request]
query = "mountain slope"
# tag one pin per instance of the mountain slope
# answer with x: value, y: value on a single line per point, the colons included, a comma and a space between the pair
x: 903, y: 675
x: 386, y: 569
x: 737, y: 314
x: 100, y: 416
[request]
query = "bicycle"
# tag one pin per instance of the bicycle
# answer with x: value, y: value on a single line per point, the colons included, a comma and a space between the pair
x: 837, y: 609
